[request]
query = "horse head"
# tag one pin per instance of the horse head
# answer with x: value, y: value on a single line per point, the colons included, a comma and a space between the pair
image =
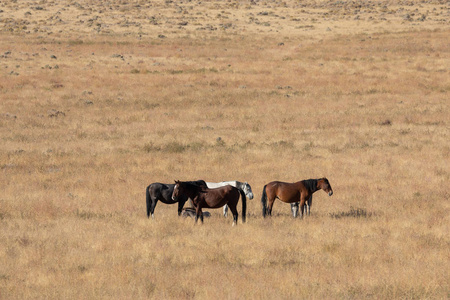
x: 176, y: 190
x: 186, y: 188
x: 248, y: 190
x: 325, y: 185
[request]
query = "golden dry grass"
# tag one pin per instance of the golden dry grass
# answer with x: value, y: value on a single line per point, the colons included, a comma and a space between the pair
x: 99, y: 100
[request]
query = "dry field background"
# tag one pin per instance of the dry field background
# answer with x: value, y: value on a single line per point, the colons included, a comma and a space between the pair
x: 98, y: 100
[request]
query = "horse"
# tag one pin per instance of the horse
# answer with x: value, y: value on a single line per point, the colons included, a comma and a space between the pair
x: 243, y: 186
x: 300, y: 191
x: 163, y: 192
x: 191, y: 212
x: 203, y: 197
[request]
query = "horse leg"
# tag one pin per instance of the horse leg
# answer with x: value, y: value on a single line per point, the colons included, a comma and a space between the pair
x: 294, y: 209
x: 152, y: 208
x: 199, y: 213
x: 309, y: 203
x: 270, y: 206
x: 302, y: 207
x: 181, y: 203
x: 234, y: 212
x: 225, y: 210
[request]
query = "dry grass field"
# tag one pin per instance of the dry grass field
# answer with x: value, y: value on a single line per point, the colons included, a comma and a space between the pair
x: 98, y: 99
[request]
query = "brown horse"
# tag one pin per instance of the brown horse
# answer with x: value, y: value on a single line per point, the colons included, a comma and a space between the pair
x: 292, y: 192
x: 203, y: 197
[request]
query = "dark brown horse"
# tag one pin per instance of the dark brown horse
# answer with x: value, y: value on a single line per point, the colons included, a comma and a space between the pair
x: 292, y: 192
x: 211, y: 198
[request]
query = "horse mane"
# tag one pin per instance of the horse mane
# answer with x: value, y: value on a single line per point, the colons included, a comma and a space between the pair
x: 239, y: 185
x: 200, y: 183
x: 194, y: 185
x: 310, y: 184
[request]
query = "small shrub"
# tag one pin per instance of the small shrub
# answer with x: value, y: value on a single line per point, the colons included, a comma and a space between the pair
x: 173, y: 72
x: 86, y: 215
x: 149, y: 147
x: 352, y: 213
x: 175, y: 147
x: 283, y: 144
x: 386, y: 122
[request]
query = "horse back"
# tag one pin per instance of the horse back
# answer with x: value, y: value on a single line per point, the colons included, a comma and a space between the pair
x: 220, y: 196
x: 223, y: 191
x: 161, y: 190
x: 214, y: 185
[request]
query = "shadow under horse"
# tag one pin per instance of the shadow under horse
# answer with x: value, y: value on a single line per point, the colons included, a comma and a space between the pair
x: 297, y: 192
x: 163, y: 192
x: 203, y: 197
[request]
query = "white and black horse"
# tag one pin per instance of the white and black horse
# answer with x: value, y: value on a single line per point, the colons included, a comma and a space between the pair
x: 163, y: 192
x: 243, y: 186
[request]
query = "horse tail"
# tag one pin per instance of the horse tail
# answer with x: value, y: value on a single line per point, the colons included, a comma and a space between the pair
x: 244, y: 205
x: 149, y: 200
x: 264, y: 201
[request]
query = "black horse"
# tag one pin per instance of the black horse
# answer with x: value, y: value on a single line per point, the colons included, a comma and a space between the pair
x: 163, y: 192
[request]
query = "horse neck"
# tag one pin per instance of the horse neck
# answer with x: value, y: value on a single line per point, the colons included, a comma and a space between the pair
x: 311, y: 185
x: 237, y: 184
x: 241, y: 186
x: 192, y: 191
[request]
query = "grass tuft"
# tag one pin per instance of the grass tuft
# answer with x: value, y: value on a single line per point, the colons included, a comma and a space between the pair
x: 352, y: 213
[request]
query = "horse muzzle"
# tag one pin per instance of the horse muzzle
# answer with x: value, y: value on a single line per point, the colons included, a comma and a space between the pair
x: 330, y: 193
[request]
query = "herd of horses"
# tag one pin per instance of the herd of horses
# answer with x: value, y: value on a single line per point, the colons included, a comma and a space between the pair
x: 226, y: 194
